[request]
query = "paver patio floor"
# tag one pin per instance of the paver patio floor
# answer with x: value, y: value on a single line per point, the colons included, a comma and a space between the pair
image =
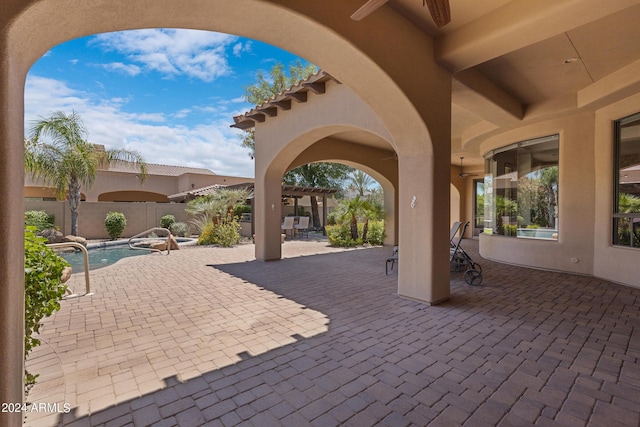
x: 208, y: 336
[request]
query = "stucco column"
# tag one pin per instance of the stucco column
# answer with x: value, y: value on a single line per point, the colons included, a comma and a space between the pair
x: 11, y: 235
x: 423, y: 207
x: 390, y: 215
x: 267, y: 213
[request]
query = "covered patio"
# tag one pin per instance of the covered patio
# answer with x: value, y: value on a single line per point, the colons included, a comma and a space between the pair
x: 212, y: 336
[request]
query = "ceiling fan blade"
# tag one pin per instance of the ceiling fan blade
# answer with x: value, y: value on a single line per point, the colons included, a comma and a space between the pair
x: 440, y: 12
x: 367, y: 8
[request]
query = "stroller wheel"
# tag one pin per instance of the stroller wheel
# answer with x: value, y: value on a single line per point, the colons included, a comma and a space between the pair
x: 473, y: 277
x: 476, y: 266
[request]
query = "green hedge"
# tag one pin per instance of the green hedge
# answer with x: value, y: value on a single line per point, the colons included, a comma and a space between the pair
x: 115, y: 223
x: 39, y: 219
x: 340, y: 235
x: 167, y: 221
x: 43, y: 289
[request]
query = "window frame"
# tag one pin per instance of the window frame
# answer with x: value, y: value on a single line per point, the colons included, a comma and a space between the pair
x: 616, y: 214
x: 492, y: 173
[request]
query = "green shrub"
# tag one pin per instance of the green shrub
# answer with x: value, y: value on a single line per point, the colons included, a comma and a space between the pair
x: 510, y: 230
x: 43, y: 289
x: 224, y: 233
x: 332, y: 218
x: 115, y: 223
x: 340, y: 236
x: 39, y: 219
x: 167, y: 220
x: 375, y: 236
x: 240, y: 209
x: 179, y: 229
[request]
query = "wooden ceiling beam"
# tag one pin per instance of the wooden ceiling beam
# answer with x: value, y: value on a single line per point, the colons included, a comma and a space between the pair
x: 317, y: 87
x: 297, y: 96
x: 257, y: 116
x: 269, y: 111
x: 244, y: 124
x: 284, y: 104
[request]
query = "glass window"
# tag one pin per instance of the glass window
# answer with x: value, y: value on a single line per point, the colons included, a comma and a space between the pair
x: 521, y: 189
x: 626, y: 216
x: 478, y: 211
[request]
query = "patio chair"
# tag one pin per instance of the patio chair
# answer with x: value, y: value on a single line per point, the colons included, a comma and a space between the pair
x: 287, y: 225
x: 452, y: 233
x: 302, y: 226
x: 391, y: 260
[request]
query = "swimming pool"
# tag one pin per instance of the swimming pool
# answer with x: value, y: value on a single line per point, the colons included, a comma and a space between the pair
x: 102, y: 255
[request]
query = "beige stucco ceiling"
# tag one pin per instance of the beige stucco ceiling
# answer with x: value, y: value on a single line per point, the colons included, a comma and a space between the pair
x: 515, y: 62
x: 508, y: 58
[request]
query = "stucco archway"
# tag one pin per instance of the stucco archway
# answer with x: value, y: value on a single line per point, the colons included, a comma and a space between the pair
x: 408, y: 100
x: 379, y: 163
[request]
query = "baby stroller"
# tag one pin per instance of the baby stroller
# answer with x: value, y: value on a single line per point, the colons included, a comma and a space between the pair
x: 459, y: 260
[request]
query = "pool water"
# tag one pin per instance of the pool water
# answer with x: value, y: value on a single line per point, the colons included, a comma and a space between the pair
x: 100, y: 257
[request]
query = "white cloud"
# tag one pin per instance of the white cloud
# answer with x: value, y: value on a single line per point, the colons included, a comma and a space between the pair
x: 182, y: 113
x: 214, y: 145
x: 130, y: 69
x: 239, y: 48
x: 197, y: 54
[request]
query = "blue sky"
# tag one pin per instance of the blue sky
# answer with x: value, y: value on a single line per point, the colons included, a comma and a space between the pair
x: 169, y: 94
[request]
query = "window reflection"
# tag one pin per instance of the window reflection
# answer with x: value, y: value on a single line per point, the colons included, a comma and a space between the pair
x: 626, y: 218
x: 521, y: 189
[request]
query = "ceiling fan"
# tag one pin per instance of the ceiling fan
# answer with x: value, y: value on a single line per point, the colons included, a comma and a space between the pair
x: 439, y: 10
x: 461, y: 174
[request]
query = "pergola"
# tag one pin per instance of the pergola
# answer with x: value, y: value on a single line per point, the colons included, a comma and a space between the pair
x: 288, y: 191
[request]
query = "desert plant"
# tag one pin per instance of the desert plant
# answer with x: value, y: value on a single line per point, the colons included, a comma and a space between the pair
x: 376, y: 233
x: 179, y: 229
x: 332, y: 218
x: 340, y: 235
x: 115, y: 223
x: 240, y: 209
x: 39, y: 219
x: 167, y: 220
x: 215, y: 207
x: 43, y: 289
x: 225, y: 233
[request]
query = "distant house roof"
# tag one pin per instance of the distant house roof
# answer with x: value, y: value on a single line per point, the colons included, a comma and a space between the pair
x: 287, y: 191
x: 156, y: 169
x: 192, y: 194
x: 297, y: 93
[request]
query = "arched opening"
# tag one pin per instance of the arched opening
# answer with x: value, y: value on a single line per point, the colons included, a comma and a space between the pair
x: 394, y: 91
x: 456, y: 215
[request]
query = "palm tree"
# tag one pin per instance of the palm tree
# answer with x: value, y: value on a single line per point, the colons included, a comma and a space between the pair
x: 353, y: 209
x: 58, y: 152
x: 359, y: 182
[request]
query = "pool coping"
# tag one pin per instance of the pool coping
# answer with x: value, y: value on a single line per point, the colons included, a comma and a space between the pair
x: 122, y: 242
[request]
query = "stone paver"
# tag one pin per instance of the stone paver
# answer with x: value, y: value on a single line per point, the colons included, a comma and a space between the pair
x: 209, y: 336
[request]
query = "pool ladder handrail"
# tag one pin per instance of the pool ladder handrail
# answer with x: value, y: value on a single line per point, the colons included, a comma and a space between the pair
x: 86, y: 264
x: 145, y: 233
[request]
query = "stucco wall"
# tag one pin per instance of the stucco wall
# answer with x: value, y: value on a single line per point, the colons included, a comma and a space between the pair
x: 140, y: 216
x: 611, y: 262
